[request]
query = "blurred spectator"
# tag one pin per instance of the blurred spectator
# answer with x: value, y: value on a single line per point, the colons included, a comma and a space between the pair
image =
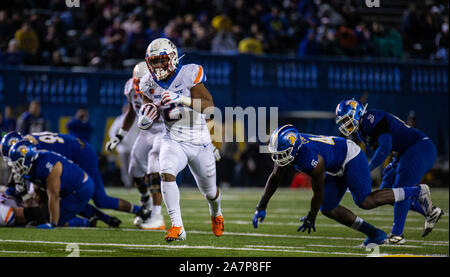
x: 32, y: 121
x: 27, y: 39
x: 442, y: 43
x: 251, y: 164
x: 89, y: 46
x: 347, y: 40
x: 7, y: 120
x: 80, y: 126
x: 223, y: 43
x: 125, y: 146
x: 13, y: 55
x: 412, y: 121
x: 309, y: 46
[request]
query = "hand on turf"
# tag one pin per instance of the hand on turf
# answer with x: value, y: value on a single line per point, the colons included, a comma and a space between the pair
x: 259, y: 215
x: 308, y: 223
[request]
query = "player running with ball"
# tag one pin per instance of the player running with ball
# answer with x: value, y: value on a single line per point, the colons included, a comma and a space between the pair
x: 178, y: 95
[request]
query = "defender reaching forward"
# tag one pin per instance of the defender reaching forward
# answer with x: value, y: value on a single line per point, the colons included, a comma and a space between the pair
x: 335, y: 165
x: 179, y: 96
x: 144, y: 157
x: 416, y: 155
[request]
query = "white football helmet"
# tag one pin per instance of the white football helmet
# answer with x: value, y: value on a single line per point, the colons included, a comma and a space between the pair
x: 140, y: 70
x: 162, y: 58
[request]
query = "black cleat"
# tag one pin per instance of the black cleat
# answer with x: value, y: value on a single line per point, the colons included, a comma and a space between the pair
x: 93, y: 221
x: 144, y: 213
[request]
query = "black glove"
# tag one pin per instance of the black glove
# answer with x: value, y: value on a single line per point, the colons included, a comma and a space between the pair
x: 308, y: 223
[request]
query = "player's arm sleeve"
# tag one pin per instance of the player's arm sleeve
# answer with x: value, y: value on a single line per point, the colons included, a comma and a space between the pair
x: 383, y: 150
x: 383, y: 138
x: 53, y: 183
x: 271, y: 186
x: 317, y: 184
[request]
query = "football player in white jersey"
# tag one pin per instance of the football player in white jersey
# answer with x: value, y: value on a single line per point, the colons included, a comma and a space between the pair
x: 144, y: 154
x: 178, y: 95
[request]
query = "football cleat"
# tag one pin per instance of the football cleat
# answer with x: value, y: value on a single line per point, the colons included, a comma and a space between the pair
x: 424, y: 199
x: 142, y: 215
x: 379, y: 239
x: 93, y: 221
x: 394, y: 239
x: 155, y: 222
x: 431, y: 220
x: 217, y: 225
x: 175, y: 233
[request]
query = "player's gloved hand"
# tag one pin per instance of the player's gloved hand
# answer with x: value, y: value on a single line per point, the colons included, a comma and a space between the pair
x: 391, y: 166
x: 259, y: 215
x: 216, y: 153
x: 168, y: 97
x: 308, y: 223
x: 46, y: 226
x: 147, y: 114
x: 113, y: 142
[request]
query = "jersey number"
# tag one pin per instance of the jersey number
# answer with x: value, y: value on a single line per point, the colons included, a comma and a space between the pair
x: 327, y: 140
x: 48, y: 137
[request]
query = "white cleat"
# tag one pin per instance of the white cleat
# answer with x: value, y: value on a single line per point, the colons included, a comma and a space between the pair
x: 425, y: 199
x: 138, y: 221
x: 395, y: 240
x: 155, y: 222
x: 431, y: 220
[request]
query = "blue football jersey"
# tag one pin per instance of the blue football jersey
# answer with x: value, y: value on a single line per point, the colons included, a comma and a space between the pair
x: 332, y: 149
x: 65, y: 145
x: 72, y: 177
x: 376, y: 122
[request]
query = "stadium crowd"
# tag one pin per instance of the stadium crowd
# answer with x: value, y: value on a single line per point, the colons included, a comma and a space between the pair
x: 106, y: 33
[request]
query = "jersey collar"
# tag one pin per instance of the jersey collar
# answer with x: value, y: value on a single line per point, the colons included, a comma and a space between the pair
x: 166, y: 85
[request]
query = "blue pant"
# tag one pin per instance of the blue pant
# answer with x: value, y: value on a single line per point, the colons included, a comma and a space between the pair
x: 412, y: 165
x: 73, y: 203
x: 88, y: 161
x: 356, y: 178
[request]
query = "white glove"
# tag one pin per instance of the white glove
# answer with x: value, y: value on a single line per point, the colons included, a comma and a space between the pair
x: 168, y: 97
x: 147, y: 114
x: 216, y: 153
x: 113, y: 142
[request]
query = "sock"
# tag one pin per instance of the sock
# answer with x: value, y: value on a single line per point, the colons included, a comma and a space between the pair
x: 364, y: 227
x: 171, y: 197
x: 401, y: 194
x: 135, y: 208
x: 156, y: 210
x: 214, y: 206
x: 400, y: 212
x: 415, y: 206
x: 78, y: 222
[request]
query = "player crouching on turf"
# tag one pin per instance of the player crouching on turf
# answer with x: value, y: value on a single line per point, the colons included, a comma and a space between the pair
x: 335, y: 165
x: 67, y: 186
x: 416, y: 155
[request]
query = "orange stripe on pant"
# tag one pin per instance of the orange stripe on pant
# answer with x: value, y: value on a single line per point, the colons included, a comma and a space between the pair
x: 8, y: 215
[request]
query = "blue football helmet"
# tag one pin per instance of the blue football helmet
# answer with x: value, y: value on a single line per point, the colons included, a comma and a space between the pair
x: 7, y: 142
x: 22, y: 154
x: 348, y: 115
x: 283, y: 141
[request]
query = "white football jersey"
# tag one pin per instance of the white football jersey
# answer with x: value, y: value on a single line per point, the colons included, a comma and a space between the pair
x: 136, y: 101
x: 182, y: 122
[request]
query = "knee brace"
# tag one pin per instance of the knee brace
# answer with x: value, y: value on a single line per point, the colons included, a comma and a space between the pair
x: 155, y: 183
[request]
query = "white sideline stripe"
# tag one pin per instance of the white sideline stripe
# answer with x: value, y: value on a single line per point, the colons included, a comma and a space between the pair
x: 433, y: 243
x: 19, y: 252
x: 291, y: 216
x: 384, y: 245
x: 276, y: 246
x: 185, y: 247
x: 241, y: 222
x: 89, y: 250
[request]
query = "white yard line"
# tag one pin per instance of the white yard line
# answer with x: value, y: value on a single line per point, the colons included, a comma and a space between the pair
x: 20, y: 252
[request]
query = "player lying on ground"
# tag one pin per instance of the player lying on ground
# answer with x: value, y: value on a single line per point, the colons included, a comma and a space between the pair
x: 82, y: 154
x: 335, y: 165
x: 416, y: 155
x: 180, y: 97
x: 144, y: 163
